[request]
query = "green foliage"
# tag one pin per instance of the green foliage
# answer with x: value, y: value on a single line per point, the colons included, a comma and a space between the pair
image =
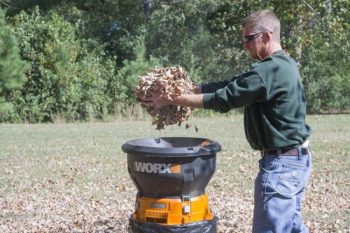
x: 71, y: 77
x: 114, y: 23
x: 325, y: 63
x: 12, y: 69
x: 205, y: 37
x: 85, y: 56
x: 122, y: 88
x: 67, y: 77
x: 177, y: 33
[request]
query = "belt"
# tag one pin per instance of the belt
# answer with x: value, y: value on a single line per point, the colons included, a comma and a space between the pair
x: 286, y: 151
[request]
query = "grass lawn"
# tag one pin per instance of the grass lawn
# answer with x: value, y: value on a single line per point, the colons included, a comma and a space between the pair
x: 73, y: 177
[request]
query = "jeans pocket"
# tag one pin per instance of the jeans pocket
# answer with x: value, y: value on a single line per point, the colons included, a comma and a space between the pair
x: 292, y: 179
x: 266, y: 178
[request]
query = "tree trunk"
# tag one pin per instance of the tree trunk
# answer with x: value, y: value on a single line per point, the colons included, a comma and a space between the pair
x: 329, y: 6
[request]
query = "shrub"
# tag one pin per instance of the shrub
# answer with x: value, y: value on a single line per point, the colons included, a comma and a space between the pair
x: 68, y: 75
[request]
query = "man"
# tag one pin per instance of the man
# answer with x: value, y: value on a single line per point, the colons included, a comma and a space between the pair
x: 274, y: 118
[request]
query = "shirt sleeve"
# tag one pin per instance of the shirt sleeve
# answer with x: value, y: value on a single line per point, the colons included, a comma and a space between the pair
x: 241, y: 91
x: 214, y: 86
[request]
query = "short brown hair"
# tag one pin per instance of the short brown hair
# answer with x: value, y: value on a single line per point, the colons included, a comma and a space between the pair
x: 264, y: 20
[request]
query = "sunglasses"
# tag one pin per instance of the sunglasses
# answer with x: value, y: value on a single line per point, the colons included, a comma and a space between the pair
x: 249, y: 38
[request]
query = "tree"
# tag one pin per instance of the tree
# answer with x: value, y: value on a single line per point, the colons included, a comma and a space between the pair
x: 325, y: 59
x: 85, y: 55
x: 68, y: 74
x: 12, y: 69
x: 205, y: 37
x: 183, y: 33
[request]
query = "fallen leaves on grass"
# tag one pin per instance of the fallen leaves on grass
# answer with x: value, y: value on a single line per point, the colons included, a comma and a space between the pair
x: 104, y: 204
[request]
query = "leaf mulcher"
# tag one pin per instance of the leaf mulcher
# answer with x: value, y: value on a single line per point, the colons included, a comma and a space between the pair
x: 171, y: 174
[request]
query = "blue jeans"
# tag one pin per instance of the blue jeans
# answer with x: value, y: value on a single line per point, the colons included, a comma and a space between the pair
x: 279, y: 189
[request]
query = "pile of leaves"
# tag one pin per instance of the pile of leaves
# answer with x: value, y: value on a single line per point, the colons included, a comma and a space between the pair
x: 169, y: 82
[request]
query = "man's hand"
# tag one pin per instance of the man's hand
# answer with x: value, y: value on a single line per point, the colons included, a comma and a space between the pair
x: 156, y: 100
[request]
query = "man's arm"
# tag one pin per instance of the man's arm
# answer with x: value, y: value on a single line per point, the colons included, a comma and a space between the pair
x: 158, y: 101
x: 192, y: 101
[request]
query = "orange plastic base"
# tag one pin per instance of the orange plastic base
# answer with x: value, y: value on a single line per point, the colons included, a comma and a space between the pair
x: 173, y: 211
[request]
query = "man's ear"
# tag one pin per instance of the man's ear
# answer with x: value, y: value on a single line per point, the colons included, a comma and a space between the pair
x: 267, y: 37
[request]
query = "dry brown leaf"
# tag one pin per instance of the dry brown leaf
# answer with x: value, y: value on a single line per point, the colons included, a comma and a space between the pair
x: 170, y: 82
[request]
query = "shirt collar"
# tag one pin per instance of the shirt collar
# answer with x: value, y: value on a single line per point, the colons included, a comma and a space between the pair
x: 278, y: 52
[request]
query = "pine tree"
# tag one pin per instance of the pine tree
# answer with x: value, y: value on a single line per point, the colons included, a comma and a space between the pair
x: 12, y: 68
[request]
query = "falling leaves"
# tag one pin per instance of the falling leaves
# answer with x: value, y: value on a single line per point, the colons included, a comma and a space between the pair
x: 170, y: 82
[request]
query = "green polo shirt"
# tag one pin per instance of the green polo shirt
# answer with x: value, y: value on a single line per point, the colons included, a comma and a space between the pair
x: 273, y: 99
